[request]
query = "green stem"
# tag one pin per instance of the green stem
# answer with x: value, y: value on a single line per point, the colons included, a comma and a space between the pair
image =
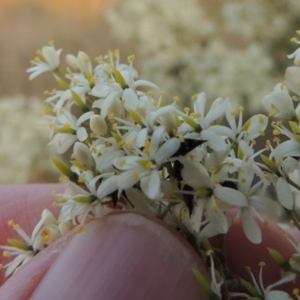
x: 167, y: 209
x: 291, y: 182
x: 294, y: 218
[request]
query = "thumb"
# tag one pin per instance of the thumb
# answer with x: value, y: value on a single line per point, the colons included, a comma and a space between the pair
x: 122, y: 256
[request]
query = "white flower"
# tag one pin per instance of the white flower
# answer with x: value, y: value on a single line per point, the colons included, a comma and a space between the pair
x: 80, y: 63
x: 279, y: 103
x: 50, y: 63
x: 198, y: 125
x: 291, y: 147
x: 45, y: 232
x: 268, y: 293
x: 68, y: 130
x: 79, y: 204
x: 257, y: 205
x: 145, y: 167
x: 250, y: 130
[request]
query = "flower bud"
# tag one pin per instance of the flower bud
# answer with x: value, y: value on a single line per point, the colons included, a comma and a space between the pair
x: 98, y: 125
x: 83, y: 155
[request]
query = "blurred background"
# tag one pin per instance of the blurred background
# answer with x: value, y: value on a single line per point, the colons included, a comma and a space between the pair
x: 233, y: 48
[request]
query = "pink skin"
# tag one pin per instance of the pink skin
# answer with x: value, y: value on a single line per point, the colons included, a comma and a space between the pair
x: 239, y: 248
x: 123, y: 256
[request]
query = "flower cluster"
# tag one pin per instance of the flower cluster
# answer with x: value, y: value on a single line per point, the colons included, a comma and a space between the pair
x: 133, y: 149
x: 208, y: 45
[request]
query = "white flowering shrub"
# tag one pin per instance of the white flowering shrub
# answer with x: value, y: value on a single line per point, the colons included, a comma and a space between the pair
x: 221, y: 47
x: 190, y: 167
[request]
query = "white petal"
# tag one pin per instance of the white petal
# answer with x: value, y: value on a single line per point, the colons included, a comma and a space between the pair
x: 287, y: 148
x: 167, y: 150
x: 230, y: 196
x: 251, y: 228
x: 151, y: 185
x: 82, y: 134
x: 108, y: 186
x: 284, y: 194
x: 217, y: 110
x: 217, y: 217
x: 84, y: 117
x: 292, y: 79
x: 131, y: 99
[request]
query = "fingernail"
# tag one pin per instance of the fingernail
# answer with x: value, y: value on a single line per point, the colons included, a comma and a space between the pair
x: 123, y: 256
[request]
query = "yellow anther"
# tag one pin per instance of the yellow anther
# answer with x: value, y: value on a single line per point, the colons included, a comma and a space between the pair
x: 149, y: 165
x: 209, y: 252
x: 79, y: 228
x: 155, y: 103
x: 181, y: 138
x: 131, y: 58
x: 213, y: 170
x: 194, y: 97
x: 10, y: 222
x: 61, y: 199
x: 81, y: 179
x: 115, y: 126
x: 111, y: 116
x: 135, y: 176
x: 262, y: 264
x: 45, y: 234
x: 122, y: 143
x: 16, y: 226
x: 216, y: 180
x: 176, y: 99
x: 186, y: 110
x: 146, y: 147
x: 276, y: 132
x: 236, y: 220
x: 122, y: 163
x: 293, y: 40
x: 241, y: 108
x: 6, y: 254
x: 130, y: 144
x: 276, y: 140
